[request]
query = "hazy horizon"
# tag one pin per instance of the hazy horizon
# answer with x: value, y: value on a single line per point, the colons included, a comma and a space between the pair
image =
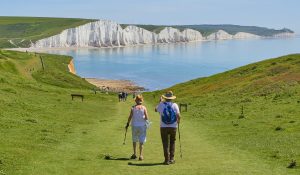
x: 274, y: 14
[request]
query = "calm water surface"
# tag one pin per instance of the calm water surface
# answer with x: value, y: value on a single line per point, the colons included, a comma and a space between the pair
x: 160, y: 66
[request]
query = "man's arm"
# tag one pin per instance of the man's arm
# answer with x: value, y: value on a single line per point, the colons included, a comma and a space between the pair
x: 157, y: 107
x: 177, y: 113
x: 160, y: 100
x: 178, y: 117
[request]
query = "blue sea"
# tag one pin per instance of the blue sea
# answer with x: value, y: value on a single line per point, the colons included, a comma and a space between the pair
x: 160, y: 66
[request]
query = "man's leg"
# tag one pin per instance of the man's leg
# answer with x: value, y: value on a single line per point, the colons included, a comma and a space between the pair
x: 172, y: 143
x: 165, y: 142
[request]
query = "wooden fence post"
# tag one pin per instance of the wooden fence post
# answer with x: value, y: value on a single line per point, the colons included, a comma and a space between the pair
x: 42, y: 62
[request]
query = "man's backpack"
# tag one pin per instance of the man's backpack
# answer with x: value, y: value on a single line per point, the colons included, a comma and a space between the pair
x: 169, y: 115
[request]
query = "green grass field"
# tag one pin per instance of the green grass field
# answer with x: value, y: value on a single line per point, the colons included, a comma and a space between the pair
x: 24, y: 30
x: 44, y: 132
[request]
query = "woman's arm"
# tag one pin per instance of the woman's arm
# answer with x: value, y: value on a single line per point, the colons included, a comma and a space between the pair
x: 146, y: 114
x: 129, y: 119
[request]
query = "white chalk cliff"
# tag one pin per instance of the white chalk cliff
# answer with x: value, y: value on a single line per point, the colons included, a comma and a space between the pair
x: 243, y: 35
x: 106, y: 33
x: 284, y: 35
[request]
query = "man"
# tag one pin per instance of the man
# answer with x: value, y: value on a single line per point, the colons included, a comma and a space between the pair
x: 170, y: 118
x: 120, y: 96
x: 123, y: 96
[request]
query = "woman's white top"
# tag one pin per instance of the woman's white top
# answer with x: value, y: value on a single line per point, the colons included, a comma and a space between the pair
x: 138, y: 116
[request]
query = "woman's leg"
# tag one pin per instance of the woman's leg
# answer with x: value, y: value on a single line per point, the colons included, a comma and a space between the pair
x: 142, y: 140
x: 141, y: 151
x: 134, y: 140
x: 134, y: 148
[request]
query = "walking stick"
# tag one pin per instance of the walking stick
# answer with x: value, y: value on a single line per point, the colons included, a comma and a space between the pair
x: 125, y: 135
x: 179, y: 141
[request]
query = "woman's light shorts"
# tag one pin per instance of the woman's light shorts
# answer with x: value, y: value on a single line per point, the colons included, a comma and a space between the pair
x: 139, y: 134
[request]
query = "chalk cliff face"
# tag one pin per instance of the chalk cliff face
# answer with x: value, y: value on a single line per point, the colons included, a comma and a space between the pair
x: 192, y: 35
x: 105, y: 33
x: 133, y: 35
x: 98, y: 34
x: 284, y: 35
x: 172, y: 35
x: 243, y: 35
x: 222, y: 35
x: 219, y: 35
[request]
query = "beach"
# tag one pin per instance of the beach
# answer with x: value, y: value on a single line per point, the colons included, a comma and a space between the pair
x: 115, y: 85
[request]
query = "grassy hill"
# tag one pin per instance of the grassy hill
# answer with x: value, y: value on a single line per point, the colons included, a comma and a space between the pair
x: 21, y: 31
x: 254, y: 109
x: 44, y: 132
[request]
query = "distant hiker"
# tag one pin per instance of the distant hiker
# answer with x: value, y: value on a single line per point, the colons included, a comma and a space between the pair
x: 123, y: 96
x: 139, y: 120
x: 120, y: 96
x: 170, y: 118
x: 126, y: 94
x: 133, y: 95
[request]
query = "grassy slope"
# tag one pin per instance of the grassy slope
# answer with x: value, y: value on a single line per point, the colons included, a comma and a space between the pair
x: 269, y: 91
x: 23, y: 29
x: 44, y: 132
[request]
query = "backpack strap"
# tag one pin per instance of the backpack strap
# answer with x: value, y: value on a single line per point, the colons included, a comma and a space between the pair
x: 170, y: 103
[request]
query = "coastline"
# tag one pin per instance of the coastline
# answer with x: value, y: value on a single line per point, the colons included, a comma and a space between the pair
x: 112, y: 85
x: 45, y: 49
x: 103, y: 84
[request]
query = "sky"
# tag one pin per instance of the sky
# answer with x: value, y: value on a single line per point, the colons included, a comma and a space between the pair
x: 265, y: 13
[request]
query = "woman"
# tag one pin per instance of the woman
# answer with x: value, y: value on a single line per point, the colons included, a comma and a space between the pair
x: 139, y: 119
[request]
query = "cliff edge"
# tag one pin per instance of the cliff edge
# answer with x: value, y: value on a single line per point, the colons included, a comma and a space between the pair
x: 106, y: 33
